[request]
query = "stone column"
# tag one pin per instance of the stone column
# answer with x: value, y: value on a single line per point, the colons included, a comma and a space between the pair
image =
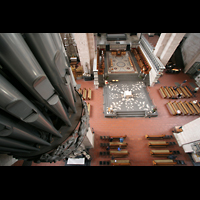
x: 170, y: 47
x: 162, y: 41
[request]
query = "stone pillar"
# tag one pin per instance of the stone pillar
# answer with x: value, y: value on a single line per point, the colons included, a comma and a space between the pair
x: 166, y: 45
x: 170, y: 47
x: 162, y: 41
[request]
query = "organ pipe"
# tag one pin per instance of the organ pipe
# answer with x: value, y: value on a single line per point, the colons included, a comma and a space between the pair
x: 15, y: 103
x: 21, y: 62
x: 51, y: 60
x: 42, y: 117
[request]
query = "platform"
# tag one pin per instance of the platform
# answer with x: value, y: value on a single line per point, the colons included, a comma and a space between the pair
x: 127, y: 99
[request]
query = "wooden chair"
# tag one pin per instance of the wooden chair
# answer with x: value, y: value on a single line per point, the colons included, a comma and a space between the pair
x: 120, y: 163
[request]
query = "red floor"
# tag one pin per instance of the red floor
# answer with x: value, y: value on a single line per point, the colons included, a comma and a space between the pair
x: 135, y: 128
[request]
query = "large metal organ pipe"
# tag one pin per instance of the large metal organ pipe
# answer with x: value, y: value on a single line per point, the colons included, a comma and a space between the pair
x: 15, y: 103
x: 36, y: 92
x: 22, y: 63
x: 51, y: 60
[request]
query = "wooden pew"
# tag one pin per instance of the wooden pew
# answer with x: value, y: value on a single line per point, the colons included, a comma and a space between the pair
x: 158, y: 137
x: 84, y: 94
x: 185, y: 92
x: 197, y: 109
x: 114, y: 137
x: 170, y: 108
x: 175, y: 92
x: 116, y: 153
x: 170, y: 91
x: 167, y: 162
x: 181, y: 109
x: 120, y: 162
x: 80, y: 91
x: 159, y: 143
x: 166, y: 91
x: 162, y: 93
x: 117, y: 144
x: 163, y: 153
x: 188, y: 91
x: 89, y: 94
x: 183, y: 106
x: 176, y: 107
x: 89, y: 108
x: 190, y: 110
x: 180, y: 92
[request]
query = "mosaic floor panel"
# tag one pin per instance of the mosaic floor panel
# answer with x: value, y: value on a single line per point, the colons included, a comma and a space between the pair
x: 121, y: 64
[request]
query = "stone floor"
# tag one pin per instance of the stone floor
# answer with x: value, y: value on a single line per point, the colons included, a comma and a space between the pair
x: 115, y: 100
x: 134, y: 127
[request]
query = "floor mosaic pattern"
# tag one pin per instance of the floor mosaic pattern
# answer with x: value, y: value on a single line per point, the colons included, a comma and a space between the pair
x: 121, y: 64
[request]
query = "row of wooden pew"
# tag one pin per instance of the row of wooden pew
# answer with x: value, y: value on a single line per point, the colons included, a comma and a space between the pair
x: 111, y: 62
x: 130, y: 61
x: 114, y: 152
x: 183, y: 108
x: 162, y: 153
x: 171, y: 92
x: 86, y: 95
x: 141, y: 60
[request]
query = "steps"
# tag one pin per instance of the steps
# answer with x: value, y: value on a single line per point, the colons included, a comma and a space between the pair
x: 130, y: 114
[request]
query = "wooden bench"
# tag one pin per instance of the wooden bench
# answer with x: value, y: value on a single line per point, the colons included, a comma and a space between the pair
x: 184, y: 92
x: 116, y: 153
x: 162, y: 153
x: 175, y: 92
x: 89, y: 94
x: 158, y: 137
x: 180, y: 92
x: 117, y: 144
x: 160, y: 143
x: 80, y: 91
x: 188, y: 91
x: 162, y: 93
x: 167, y: 162
x: 190, y: 110
x: 181, y: 109
x: 89, y: 108
x: 84, y: 94
x: 196, y: 108
x: 164, y: 162
x: 176, y: 108
x: 170, y: 108
x: 114, y: 137
x: 186, y: 112
x: 120, y: 163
